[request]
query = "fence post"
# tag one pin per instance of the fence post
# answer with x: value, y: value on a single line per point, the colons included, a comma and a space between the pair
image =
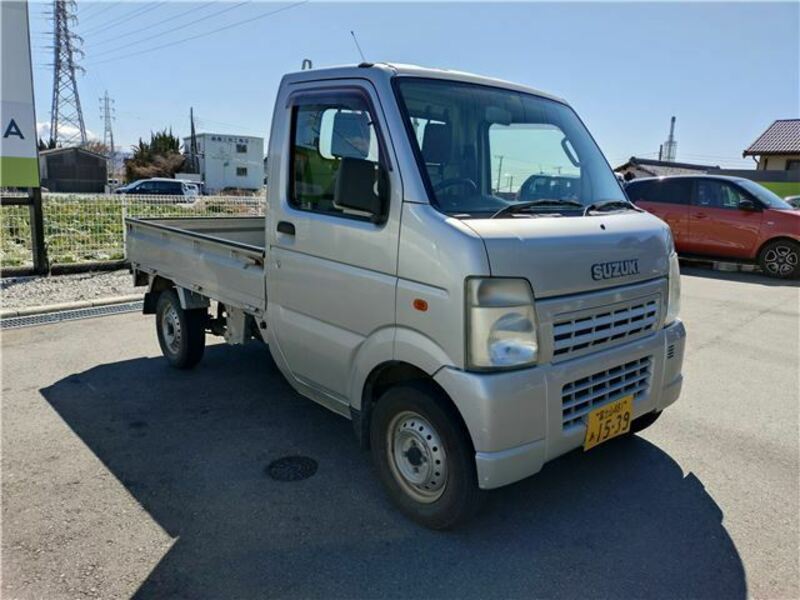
x: 38, y: 247
x: 124, y: 229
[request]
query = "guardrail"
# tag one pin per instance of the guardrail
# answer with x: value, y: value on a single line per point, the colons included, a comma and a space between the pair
x: 87, y: 230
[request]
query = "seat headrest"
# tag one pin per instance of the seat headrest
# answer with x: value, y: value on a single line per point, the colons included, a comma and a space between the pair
x: 437, y: 143
x: 355, y: 186
x: 350, y: 135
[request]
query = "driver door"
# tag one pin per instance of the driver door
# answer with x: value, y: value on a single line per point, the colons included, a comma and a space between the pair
x: 332, y: 267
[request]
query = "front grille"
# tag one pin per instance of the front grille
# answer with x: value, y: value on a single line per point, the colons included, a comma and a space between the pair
x: 584, y: 394
x: 604, y: 328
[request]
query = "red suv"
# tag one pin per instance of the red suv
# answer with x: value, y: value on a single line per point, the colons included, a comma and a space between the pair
x: 725, y: 218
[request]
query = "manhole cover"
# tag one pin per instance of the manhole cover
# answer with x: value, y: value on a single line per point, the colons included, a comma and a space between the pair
x: 292, y: 468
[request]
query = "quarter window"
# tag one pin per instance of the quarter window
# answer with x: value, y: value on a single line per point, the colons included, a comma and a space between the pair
x: 327, y: 133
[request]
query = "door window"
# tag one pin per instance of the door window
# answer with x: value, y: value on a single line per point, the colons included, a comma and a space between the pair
x: 667, y: 191
x: 710, y: 193
x: 329, y: 133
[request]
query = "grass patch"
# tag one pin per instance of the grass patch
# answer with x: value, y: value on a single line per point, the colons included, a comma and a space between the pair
x: 83, y: 227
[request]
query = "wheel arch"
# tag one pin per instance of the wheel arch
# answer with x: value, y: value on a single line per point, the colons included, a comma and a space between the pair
x: 387, y: 375
x: 777, y: 238
x: 157, y: 285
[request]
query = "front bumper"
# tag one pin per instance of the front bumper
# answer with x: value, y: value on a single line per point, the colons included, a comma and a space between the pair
x: 515, y: 418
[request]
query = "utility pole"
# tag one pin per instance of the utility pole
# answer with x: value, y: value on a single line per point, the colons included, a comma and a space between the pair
x: 65, y: 111
x: 195, y: 159
x: 499, y: 171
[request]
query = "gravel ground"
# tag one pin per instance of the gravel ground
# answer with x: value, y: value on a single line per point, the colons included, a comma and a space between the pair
x: 23, y: 292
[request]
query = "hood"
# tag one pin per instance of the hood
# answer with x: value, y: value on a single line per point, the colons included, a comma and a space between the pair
x: 568, y: 255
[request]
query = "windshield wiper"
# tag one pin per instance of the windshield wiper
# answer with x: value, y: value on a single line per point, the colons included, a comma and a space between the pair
x: 601, y: 204
x: 523, y: 206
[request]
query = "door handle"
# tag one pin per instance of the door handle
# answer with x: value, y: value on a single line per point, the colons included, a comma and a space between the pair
x: 286, y: 227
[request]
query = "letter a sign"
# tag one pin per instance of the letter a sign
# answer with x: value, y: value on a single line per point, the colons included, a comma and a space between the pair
x: 19, y: 164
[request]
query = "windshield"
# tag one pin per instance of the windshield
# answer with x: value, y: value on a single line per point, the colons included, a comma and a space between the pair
x: 766, y: 196
x: 484, y: 149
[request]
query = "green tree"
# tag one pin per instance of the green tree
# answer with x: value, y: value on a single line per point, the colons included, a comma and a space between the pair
x: 160, y: 157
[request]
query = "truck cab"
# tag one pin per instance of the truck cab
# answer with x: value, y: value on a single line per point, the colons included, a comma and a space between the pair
x: 449, y: 262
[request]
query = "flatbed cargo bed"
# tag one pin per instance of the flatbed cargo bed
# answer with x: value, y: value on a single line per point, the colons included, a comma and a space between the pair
x: 219, y: 257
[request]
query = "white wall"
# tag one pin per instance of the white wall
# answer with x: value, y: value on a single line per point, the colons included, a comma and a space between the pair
x: 775, y: 163
x: 222, y: 165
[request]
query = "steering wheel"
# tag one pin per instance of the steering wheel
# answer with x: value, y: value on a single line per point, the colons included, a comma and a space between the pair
x: 465, y: 181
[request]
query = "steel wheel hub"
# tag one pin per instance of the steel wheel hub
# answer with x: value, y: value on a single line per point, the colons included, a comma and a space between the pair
x: 171, y: 329
x: 781, y: 260
x: 417, y: 456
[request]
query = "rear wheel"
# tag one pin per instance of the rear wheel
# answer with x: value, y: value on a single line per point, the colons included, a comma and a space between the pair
x: 424, y: 457
x: 781, y: 258
x: 181, y: 333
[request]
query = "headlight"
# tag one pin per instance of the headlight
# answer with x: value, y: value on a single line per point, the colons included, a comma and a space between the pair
x: 501, y: 327
x: 674, y: 297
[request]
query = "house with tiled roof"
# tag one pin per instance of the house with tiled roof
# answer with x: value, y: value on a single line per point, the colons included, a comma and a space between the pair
x: 637, y: 167
x: 778, y: 148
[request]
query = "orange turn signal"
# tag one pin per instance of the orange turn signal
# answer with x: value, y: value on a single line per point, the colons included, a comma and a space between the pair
x: 420, y: 304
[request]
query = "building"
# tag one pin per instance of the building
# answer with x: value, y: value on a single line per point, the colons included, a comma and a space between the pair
x: 646, y: 167
x: 229, y: 161
x: 778, y: 148
x: 73, y: 170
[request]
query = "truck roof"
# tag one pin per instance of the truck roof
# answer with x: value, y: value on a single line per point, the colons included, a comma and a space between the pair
x: 389, y: 70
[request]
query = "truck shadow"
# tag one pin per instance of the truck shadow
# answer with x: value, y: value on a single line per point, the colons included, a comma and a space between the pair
x: 621, y: 521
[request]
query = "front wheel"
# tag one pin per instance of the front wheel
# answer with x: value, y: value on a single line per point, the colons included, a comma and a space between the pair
x: 181, y: 333
x: 781, y: 258
x: 424, y: 457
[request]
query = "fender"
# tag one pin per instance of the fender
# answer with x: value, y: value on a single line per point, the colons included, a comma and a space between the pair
x: 394, y: 344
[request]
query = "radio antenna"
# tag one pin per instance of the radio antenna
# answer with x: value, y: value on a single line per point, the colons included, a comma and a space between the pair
x: 358, y: 47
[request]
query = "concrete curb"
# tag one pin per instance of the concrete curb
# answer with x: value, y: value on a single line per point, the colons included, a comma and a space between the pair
x: 50, y: 308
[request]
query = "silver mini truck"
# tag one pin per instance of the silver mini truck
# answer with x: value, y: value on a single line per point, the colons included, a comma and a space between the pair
x: 448, y: 261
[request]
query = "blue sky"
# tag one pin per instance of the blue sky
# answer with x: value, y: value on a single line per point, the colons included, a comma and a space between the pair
x: 726, y: 70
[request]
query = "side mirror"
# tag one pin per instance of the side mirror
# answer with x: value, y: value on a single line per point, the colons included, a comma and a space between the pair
x: 360, y: 188
x: 748, y: 205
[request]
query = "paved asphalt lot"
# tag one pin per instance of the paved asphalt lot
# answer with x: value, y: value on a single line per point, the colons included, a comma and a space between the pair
x: 122, y: 476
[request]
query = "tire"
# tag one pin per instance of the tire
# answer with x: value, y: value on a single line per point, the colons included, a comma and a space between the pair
x: 181, y: 333
x: 643, y: 422
x: 780, y: 258
x: 415, y: 417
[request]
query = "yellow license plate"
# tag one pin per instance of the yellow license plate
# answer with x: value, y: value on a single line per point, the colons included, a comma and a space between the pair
x: 608, y: 422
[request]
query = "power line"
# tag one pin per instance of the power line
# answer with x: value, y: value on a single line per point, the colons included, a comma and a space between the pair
x: 199, y: 35
x: 138, y: 30
x: 144, y: 39
x: 126, y: 17
x: 99, y: 12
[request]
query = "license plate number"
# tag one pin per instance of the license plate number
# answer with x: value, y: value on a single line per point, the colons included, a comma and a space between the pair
x: 608, y: 422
